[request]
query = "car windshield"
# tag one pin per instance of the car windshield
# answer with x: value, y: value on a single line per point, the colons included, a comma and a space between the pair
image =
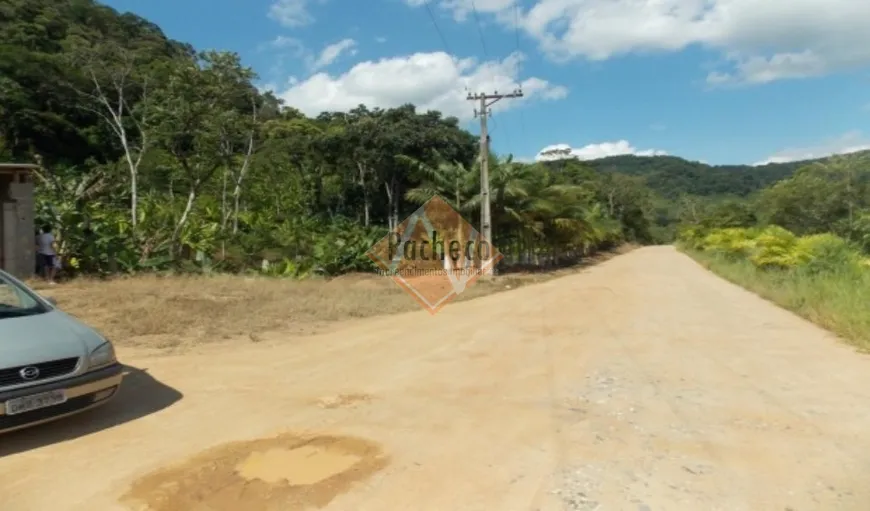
x: 16, y: 300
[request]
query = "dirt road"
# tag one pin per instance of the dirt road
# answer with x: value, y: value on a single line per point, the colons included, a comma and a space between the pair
x: 645, y: 383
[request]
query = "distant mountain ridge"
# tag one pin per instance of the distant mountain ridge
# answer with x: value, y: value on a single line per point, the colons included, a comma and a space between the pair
x: 672, y: 176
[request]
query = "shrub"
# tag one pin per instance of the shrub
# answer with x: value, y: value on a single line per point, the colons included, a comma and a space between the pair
x: 692, y: 236
x: 732, y: 243
x: 825, y: 253
x: 775, y: 247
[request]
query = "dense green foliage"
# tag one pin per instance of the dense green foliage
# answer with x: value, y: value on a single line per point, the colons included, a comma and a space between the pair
x: 774, y: 248
x: 673, y: 177
x: 825, y: 196
x: 155, y: 155
x: 817, y: 220
x: 803, y: 243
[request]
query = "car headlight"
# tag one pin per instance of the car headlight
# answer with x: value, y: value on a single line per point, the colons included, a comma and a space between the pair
x: 102, y: 356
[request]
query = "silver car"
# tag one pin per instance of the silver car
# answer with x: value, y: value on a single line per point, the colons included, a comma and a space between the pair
x: 51, y: 364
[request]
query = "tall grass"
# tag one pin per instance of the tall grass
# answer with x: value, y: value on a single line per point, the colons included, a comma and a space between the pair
x: 837, y: 300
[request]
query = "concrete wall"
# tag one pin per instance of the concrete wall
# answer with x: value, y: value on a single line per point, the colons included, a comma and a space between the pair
x: 25, y: 251
x: 8, y: 213
x: 16, y: 227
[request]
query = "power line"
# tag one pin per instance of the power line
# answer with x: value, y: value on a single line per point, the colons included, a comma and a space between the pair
x: 519, y: 85
x: 479, y: 28
x: 479, y: 25
x: 437, y: 28
x: 441, y: 36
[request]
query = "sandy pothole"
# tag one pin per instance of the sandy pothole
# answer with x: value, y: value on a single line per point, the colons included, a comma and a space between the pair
x: 302, y: 465
x: 286, y: 473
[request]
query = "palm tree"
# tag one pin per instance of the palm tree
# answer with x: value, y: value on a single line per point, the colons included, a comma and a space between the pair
x: 456, y: 184
x: 536, y: 212
x: 452, y: 181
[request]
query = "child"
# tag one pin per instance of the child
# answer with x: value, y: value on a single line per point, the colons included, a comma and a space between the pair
x: 46, y: 253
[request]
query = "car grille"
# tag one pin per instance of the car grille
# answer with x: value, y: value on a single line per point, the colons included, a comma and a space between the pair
x: 52, y: 369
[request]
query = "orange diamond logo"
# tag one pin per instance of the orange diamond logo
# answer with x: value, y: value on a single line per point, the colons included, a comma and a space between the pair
x: 434, y: 255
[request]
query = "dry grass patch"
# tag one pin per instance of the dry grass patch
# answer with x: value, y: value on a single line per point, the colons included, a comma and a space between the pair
x: 168, y: 311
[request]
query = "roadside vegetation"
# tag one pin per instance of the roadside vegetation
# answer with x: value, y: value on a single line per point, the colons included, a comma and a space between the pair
x: 156, y: 157
x: 802, y: 243
x: 173, y: 183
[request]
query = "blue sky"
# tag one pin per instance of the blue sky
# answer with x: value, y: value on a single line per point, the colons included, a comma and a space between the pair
x: 721, y: 81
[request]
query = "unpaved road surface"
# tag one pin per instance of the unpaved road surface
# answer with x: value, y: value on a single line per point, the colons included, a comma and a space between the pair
x: 643, y: 384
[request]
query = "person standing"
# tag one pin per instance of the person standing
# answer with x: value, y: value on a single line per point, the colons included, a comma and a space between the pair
x: 46, y: 253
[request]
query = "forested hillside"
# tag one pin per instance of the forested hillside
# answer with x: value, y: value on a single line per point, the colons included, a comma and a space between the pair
x: 156, y: 155
x: 673, y: 177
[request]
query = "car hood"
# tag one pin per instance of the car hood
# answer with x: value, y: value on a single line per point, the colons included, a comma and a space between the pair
x: 48, y: 336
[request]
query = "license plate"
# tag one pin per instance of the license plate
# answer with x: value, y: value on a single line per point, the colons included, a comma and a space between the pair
x: 35, y: 402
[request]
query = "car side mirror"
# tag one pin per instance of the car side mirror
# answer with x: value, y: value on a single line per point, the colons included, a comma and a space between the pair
x: 52, y: 300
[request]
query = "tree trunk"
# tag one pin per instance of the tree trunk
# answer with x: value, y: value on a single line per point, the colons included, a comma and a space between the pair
x: 224, y: 209
x: 132, y: 165
x: 361, y: 167
x: 237, y: 190
x: 391, y: 220
x: 115, y: 116
x: 191, y: 197
x: 397, y: 193
x: 134, y: 197
x: 367, y: 215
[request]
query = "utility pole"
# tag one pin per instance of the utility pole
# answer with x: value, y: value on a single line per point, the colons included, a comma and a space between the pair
x: 487, y: 100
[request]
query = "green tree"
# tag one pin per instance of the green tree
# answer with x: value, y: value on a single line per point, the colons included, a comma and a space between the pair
x: 193, y: 113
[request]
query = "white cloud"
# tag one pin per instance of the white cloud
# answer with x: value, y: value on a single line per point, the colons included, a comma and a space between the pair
x: 593, y: 151
x: 428, y: 80
x: 332, y: 52
x: 850, y: 142
x: 759, y: 69
x: 761, y: 41
x: 297, y: 49
x: 291, y: 13
x: 381, y: 39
